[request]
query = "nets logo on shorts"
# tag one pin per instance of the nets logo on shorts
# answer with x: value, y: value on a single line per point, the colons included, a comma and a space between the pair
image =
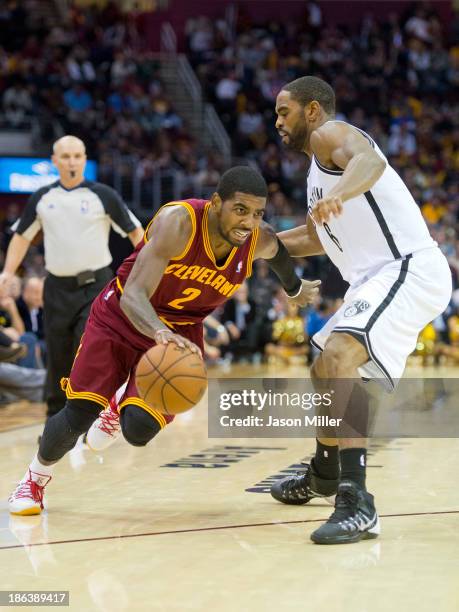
x: 356, y: 307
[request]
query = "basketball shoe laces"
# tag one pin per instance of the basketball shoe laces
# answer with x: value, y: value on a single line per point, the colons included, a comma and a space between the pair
x: 346, y: 504
x: 109, y: 420
x: 31, y: 489
x: 298, y: 485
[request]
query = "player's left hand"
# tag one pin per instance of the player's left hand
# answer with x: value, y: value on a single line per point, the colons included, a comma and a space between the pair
x: 309, y: 291
x: 324, y: 208
x: 164, y: 336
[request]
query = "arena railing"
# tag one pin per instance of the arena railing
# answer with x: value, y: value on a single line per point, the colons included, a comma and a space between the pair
x: 183, y: 85
x: 145, y: 194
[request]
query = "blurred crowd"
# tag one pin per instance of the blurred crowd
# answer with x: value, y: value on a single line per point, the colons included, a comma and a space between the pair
x: 397, y: 78
x: 92, y: 77
x: 22, y: 340
x: 260, y: 324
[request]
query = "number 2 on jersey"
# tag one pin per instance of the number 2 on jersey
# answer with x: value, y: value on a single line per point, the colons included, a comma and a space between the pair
x: 191, y: 294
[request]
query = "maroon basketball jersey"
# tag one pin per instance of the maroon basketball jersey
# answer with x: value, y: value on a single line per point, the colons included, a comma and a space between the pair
x: 193, y: 284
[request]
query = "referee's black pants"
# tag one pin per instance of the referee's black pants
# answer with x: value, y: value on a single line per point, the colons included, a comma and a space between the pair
x: 66, y: 307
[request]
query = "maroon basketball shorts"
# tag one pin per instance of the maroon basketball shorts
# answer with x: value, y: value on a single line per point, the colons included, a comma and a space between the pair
x: 110, y: 349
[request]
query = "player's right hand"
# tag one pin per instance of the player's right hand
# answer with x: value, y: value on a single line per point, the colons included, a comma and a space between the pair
x: 325, y: 208
x: 309, y: 292
x: 164, y: 336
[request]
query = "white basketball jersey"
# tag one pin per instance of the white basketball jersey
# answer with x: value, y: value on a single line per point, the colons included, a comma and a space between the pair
x: 374, y: 228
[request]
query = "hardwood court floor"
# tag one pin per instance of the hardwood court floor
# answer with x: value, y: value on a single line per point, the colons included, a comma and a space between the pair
x: 187, y: 524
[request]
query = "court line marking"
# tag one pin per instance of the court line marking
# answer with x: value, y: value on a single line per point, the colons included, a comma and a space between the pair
x: 200, y: 529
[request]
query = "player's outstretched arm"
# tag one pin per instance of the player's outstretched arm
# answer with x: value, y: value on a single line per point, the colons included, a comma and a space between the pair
x: 168, y: 236
x: 302, y: 241
x: 340, y: 145
x: 270, y: 248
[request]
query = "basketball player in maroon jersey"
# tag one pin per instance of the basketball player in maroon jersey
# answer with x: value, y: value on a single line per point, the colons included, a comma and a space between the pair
x: 194, y: 256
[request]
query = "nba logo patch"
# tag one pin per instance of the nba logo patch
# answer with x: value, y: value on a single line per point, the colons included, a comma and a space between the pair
x: 356, y: 307
x: 239, y: 267
x: 84, y: 206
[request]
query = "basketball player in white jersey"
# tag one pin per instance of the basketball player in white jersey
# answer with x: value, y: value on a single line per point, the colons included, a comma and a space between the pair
x: 361, y: 214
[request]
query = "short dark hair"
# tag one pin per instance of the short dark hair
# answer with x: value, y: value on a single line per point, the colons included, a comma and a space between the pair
x: 308, y: 88
x: 243, y: 179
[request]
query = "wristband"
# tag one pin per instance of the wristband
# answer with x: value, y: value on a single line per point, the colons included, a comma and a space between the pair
x: 282, y: 265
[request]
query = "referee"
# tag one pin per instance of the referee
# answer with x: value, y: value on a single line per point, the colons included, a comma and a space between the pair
x: 75, y: 216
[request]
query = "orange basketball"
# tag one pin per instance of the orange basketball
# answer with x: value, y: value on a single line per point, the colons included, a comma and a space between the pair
x: 171, y: 379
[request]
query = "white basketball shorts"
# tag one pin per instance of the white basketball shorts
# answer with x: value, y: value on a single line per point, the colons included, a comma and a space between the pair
x: 387, y: 311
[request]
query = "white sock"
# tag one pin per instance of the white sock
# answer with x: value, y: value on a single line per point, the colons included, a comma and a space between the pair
x: 39, y: 471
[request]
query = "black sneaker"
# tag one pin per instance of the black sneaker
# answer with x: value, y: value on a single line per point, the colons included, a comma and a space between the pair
x: 354, y: 519
x: 303, y: 486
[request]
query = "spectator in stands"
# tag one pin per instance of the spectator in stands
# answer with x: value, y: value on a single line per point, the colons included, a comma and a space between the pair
x: 244, y: 324
x: 215, y: 336
x: 11, y: 215
x: 79, y: 66
x: 10, y: 319
x: 402, y: 141
x: 122, y: 68
x: 262, y: 285
x: 13, y: 326
x: 30, y: 308
x: 200, y: 34
x: 18, y: 96
x: 321, y: 311
x: 289, y: 341
x: 78, y: 99
x: 18, y: 383
x: 10, y: 350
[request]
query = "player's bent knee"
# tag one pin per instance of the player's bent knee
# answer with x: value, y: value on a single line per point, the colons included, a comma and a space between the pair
x: 328, y: 366
x: 137, y: 425
x: 341, y: 352
x: 63, y: 429
x: 81, y: 413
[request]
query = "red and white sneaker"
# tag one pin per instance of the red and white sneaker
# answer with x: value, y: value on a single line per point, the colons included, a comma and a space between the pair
x: 106, y: 429
x: 27, y: 498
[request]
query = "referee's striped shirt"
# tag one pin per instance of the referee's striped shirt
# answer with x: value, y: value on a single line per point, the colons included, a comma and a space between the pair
x: 76, y: 225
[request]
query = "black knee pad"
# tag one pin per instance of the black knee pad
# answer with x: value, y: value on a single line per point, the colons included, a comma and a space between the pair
x: 137, y: 425
x: 64, y: 428
x: 81, y: 414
